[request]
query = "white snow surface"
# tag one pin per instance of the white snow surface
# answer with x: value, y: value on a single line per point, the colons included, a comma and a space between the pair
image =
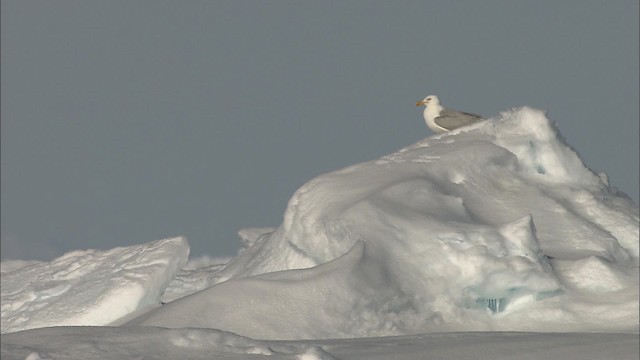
x: 89, y: 287
x: 497, y: 228
x: 117, y: 343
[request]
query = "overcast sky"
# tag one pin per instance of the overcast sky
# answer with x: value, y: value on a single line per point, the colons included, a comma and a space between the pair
x: 129, y: 121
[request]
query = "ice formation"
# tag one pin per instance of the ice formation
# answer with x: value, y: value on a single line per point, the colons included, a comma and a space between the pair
x: 493, y: 227
x: 497, y: 226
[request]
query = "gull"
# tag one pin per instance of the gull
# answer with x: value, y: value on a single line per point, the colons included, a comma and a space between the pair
x: 440, y: 119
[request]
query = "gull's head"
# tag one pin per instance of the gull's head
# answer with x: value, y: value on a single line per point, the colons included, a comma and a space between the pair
x: 429, y: 100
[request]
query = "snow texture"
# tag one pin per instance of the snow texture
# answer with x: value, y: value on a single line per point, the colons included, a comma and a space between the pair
x: 89, y: 287
x: 497, y: 227
x: 113, y: 343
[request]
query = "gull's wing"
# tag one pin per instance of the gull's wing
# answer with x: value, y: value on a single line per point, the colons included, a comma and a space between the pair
x: 453, y: 119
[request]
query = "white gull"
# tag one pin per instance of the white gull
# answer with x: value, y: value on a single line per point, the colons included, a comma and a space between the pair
x: 440, y: 119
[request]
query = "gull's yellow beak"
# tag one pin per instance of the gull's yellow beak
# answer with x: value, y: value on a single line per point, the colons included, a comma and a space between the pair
x: 421, y: 102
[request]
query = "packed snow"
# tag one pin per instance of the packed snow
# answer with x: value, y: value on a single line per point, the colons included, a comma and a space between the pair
x: 117, y: 343
x: 89, y: 287
x: 489, y: 241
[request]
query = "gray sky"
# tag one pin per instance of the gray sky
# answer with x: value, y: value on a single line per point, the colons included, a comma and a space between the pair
x: 130, y: 121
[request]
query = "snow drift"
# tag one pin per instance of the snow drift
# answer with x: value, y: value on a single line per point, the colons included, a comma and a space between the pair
x: 88, y: 287
x: 499, y: 226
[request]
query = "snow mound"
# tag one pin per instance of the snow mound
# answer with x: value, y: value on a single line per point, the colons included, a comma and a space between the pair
x: 289, y: 303
x: 89, y: 287
x: 487, y: 175
x: 498, y: 226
